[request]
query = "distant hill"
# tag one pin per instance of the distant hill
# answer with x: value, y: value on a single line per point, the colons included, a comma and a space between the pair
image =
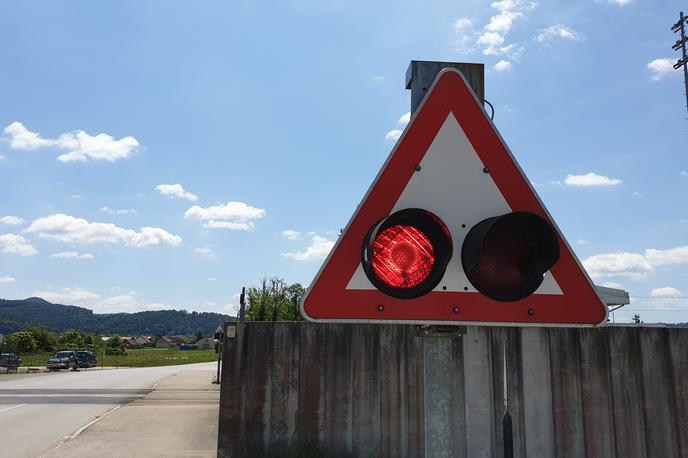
x: 16, y: 315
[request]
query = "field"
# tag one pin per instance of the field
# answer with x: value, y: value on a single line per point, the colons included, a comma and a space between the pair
x: 147, y: 357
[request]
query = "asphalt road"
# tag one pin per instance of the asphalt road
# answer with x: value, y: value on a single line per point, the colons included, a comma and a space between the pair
x: 39, y: 412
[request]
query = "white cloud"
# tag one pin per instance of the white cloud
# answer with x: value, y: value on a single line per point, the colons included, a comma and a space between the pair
x: 620, y: 2
x: 591, y: 179
x: 22, y: 138
x: 318, y: 249
x: 393, y: 134
x: 72, y: 255
x: 503, y: 66
x: 206, y: 250
x: 502, y: 22
x: 634, y: 266
x: 16, y: 244
x: 611, y: 284
x: 6, y: 279
x: 212, y: 279
x: 637, y: 194
x: 69, y: 229
x: 176, y: 190
x: 666, y: 291
x: 627, y: 265
x: 118, y: 211
x: 291, y: 235
x: 232, y: 226
x: 463, y: 23
x: 12, y: 220
x: 507, y: 108
x: 80, y: 145
x: 559, y: 31
x: 405, y: 118
x: 127, y: 303
x: 149, y: 236
x: 659, y: 68
x: 490, y: 42
x: 492, y: 39
x: 232, y: 215
x: 68, y: 296
x: 378, y: 79
x: 684, y: 173
x: 77, y: 196
x: 581, y: 242
x: 2, y: 158
x: 102, y: 147
x: 130, y: 302
x: 678, y: 255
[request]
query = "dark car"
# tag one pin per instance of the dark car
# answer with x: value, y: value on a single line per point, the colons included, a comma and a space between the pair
x: 9, y: 360
x: 63, y: 360
x: 86, y: 359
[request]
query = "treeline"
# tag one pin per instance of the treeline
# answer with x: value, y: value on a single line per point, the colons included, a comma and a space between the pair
x: 16, y: 315
x: 36, y: 339
x: 274, y: 300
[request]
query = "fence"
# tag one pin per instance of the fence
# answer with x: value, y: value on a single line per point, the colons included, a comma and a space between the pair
x: 381, y: 390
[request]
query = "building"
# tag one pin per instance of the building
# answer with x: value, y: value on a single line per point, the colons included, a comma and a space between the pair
x: 144, y: 341
x: 130, y: 342
x: 169, y: 342
x: 206, y: 343
x: 164, y: 342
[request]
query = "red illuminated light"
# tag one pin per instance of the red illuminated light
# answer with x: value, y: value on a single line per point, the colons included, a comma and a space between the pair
x: 403, y: 256
x: 406, y: 254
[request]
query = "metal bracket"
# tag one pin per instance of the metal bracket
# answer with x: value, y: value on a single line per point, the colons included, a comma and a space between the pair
x: 440, y: 331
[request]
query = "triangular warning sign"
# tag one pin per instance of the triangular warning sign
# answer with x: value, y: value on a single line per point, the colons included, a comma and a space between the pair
x: 452, y: 162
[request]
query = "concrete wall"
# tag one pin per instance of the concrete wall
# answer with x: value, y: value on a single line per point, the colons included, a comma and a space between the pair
x: 379, y: 390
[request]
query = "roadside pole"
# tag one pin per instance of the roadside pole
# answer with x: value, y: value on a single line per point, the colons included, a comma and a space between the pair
x: 220, y: 337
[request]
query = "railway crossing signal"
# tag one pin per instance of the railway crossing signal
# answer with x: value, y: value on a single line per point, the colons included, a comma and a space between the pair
x: 451, y: 231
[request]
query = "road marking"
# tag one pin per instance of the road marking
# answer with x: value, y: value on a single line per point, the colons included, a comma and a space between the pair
x: 171, y: 375
x: 10, y: 408
x: 83, y: 428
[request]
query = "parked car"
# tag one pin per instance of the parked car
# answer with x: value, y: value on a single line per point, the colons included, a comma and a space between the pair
x: 63, y: 360
x: 86, y: 359
x: 9, y: 360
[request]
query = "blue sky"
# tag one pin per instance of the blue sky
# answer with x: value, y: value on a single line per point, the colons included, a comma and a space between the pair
x: 164, y: 154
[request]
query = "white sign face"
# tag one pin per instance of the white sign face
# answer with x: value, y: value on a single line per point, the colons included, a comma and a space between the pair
x: 231, y: 331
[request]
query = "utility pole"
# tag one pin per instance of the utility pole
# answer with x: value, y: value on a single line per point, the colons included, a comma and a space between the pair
x: 681, y: 44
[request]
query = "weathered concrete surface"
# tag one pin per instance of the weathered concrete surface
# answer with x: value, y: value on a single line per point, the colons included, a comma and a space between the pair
x: 381, y: 390
x: 176, y: 419
x: 37, y: 411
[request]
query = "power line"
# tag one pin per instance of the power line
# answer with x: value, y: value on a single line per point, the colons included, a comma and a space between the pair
x: 658, y: 297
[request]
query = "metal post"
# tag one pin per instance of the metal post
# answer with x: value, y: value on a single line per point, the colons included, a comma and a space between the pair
x: 681, y: 44
x: 242, y: 304
x: 219, y: 359
x: 421, y: 74
x: 685, y: 57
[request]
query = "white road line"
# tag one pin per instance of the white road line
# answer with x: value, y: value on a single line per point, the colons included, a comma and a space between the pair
x: 171, y: 375
x: 10, y: 408
x: 83, y: 428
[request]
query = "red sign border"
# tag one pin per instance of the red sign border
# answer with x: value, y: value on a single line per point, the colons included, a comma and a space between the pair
x: 328, y: 300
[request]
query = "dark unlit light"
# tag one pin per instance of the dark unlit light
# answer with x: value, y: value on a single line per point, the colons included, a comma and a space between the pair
x: 505, y: 257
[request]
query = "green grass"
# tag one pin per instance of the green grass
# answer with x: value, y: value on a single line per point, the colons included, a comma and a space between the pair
x: 147, y: 357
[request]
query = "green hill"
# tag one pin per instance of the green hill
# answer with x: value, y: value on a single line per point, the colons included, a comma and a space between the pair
x: 16, y: 315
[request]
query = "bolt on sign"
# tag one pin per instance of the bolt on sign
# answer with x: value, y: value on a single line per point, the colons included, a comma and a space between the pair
x: 452, y: 232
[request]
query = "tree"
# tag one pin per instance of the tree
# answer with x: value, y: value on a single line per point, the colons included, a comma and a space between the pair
x: 45, y: 340
x: 71, y: 339
x: 274, y: 300
x: 115, y: 346
x: 199, y: 336
x: 21, y: 342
